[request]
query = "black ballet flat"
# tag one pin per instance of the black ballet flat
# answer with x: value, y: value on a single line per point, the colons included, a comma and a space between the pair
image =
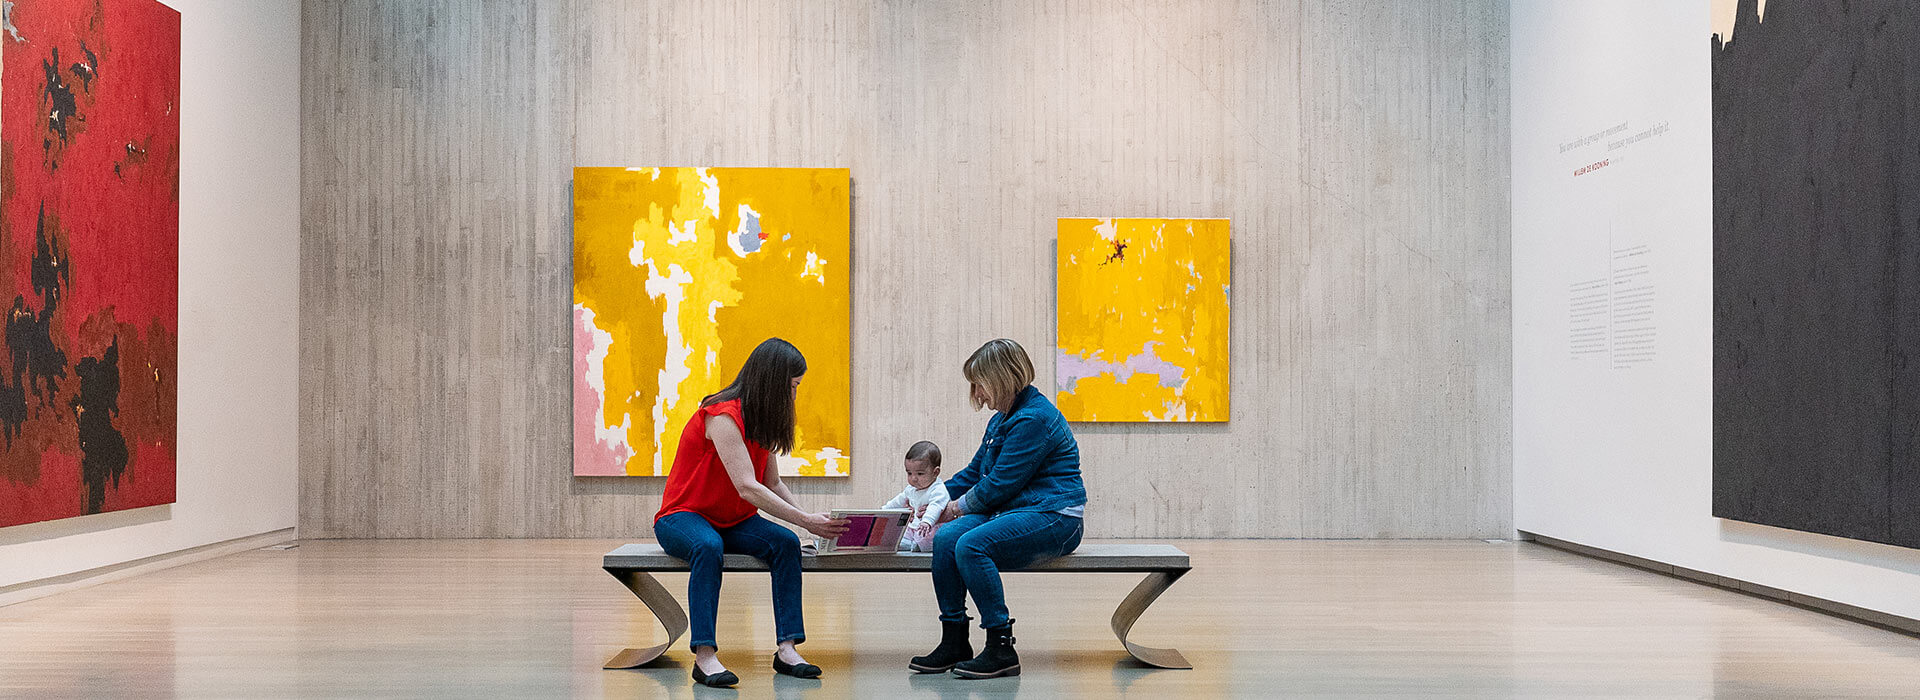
x: 796, y: 670
x: 723, y: 679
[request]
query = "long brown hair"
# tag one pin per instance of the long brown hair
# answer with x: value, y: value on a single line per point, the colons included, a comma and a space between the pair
x: 764, y: 387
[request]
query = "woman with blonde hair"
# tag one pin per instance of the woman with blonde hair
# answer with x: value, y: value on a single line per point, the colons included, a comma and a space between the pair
x: 1019, y: 501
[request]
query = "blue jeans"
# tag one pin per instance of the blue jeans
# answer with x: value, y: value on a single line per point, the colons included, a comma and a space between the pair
x: 969, y: 553
x: 691, y: 538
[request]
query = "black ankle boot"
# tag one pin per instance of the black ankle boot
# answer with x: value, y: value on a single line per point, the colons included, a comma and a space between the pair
x: 954, y: 648
x: 994, y: 661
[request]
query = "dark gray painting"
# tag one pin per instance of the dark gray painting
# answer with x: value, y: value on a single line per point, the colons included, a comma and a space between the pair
x: 1816, y: 237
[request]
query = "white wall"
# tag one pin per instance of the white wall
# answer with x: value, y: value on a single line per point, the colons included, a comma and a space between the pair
x: 1617, y: 454
x: 239, y: 293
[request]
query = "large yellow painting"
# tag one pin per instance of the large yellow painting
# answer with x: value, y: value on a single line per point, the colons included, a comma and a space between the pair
x: 1142, y: 319
x: 677, y: 274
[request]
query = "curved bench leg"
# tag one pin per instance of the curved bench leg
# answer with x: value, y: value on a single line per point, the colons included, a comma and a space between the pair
x: 665, y: 609
x: 1129, y: 612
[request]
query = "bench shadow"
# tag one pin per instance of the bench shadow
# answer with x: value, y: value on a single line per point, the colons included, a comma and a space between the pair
x: 671, y: 675
x: 949, y: 687
x: 663, y: 662
x: 664, y: 669
x: 676, y: 681
x: 1127, y: 669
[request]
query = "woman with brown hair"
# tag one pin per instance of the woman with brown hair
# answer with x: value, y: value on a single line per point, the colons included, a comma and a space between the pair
x: 721, y: 479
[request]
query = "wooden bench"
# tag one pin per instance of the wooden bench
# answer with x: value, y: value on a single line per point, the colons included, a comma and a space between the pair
x: 634, y: 565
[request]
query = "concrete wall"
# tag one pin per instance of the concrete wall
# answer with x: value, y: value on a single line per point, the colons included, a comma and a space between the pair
x: 1360, y: 149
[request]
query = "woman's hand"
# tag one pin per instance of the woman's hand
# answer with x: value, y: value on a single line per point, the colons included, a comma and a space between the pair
x: 822, y: 526
x: 952, y: 511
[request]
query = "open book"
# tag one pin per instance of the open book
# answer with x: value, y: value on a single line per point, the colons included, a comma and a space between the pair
x: 868, y: 530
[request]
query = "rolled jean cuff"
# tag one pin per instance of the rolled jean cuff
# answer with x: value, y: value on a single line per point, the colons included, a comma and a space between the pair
x: 694, y: 646
x: 796, y: 638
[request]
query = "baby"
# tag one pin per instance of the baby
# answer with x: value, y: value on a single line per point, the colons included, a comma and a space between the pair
x: 924, y: 494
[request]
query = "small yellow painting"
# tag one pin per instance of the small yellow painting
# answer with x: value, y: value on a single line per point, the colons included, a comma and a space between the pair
x: 1142, y: 320
x: 677, y: 274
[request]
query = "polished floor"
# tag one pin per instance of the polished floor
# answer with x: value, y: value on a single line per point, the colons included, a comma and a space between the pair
x: 489, y: 618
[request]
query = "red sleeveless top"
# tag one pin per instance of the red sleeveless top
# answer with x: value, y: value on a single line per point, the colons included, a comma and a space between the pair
x: 698, y: 482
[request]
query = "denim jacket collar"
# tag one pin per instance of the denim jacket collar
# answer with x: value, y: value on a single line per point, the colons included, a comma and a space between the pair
x: 1023, y: 398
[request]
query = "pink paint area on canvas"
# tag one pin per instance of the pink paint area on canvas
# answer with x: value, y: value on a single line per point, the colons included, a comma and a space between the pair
x: 591, y: 455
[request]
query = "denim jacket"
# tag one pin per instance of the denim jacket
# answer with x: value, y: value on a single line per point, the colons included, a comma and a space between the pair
x: 1027, y: 461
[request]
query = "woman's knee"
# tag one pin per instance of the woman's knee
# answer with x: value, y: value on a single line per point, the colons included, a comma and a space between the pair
x: 973, y: 543
x: 945, y: 538
x: 783, y: 544
x: 765, y: 541
x: 688, y: 537
x: 704, y: 552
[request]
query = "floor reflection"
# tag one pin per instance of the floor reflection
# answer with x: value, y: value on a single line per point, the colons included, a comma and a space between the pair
x: 502, y: 618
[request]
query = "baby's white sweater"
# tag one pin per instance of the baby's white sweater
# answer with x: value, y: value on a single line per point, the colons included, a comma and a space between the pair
x: 926, y: 503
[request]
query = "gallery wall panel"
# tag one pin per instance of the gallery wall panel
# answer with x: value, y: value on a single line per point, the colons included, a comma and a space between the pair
x: 1816, y: 231
x: 1358, y: 148
x: 1613, y: 450
x: 90, y: 239
x: 238, y: 298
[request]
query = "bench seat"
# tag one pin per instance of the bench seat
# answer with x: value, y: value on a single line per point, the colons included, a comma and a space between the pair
x: 634, y: 564
x: 1113, y: 558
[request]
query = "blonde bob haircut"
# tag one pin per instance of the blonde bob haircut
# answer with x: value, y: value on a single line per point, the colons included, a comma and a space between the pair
x: 1001, y: 367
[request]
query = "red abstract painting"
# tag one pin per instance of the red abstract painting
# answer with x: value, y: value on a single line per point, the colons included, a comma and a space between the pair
x: 89, y: 241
